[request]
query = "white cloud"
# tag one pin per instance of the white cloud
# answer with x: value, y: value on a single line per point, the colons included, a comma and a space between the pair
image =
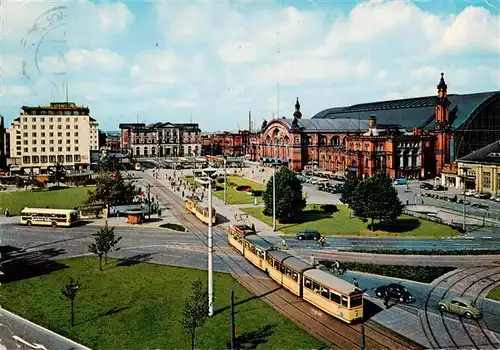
x: 10, y: 65
x: 82, y: 59
x: 15, y: 91
x: 156, y: 68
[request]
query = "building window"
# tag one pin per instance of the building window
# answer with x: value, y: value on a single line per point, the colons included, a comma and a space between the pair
x: 33, y: 126
x: 59, y: 149
x: 25, y: 142
x: 76, y: 141
x: 76, y: 126
x: 34, y: 149
x: 68, y: 126
x: 76, y: 149
x: 60, y: 159
x: 51, y: 149
x: 26, y: 149
x: 486, y: 179
x: 43, y: 149
x: 69, y: 158
x: 76, y: 134
x: 68, y: 142
x: 25, y: 126
x: 59, y: 142
x: 58, y: 119
x: 43, y: 127
x: 44, y: 159
x: 51, y: 134
x: 68, y: 149
x: 26, y: 159
x: 77, y: 157
x: 25, y: 134
x: 43, y: 142
x: 33, y: 134
x: 59, y: 134
x: 52, y: 159
x: 35, y: 159
x: 51, y: 127
x: 68, y: 134
x: 43, y: 134
x: 51, y: 142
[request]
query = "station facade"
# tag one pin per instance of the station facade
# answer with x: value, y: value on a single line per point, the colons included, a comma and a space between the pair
x: 412, y: 138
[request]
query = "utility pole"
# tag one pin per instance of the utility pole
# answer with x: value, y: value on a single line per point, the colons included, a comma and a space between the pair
x: 233, y: 336
x: 225, y: 180
x: 464, y: 183
x: 363, y: 337
x: 149, y: 201
x: 274, y: 198
x: 210, y: 251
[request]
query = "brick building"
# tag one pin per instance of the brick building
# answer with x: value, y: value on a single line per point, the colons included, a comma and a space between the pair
x: 234, y: 144
x: 415, y: 137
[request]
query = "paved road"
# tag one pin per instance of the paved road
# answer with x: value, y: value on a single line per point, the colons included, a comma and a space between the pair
x: 340, y: 243
x: 18, y: 333
x: 449, y: 330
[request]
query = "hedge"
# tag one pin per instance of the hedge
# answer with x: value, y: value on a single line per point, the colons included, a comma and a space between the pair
x: 426, y: 252
x: 425, y: 274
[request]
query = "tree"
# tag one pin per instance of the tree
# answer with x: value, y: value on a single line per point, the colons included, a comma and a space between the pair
x: 376, y: 198
x: 105, y: 242
x: 195, y: 310
x: 58, y: 173
x: 112, y: 189
x: 289, y: 199
x: 69, y: 292
x: 350, y: 185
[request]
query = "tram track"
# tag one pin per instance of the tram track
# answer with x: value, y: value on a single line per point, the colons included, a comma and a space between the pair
x: 343, y: 338
x: 426, y: 323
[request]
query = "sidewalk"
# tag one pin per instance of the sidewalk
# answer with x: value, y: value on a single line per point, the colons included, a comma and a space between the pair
x: 232, y: 213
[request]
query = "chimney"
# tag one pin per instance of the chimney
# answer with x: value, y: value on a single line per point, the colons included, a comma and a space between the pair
x: 250, y: 121
x: 372, y: 122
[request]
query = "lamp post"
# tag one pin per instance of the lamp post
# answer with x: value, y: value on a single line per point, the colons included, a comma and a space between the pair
x: 225, y: 180
x: 464, y: 179
x: 209, y: 172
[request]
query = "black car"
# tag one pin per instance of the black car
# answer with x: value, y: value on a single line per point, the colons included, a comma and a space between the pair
x: 426, y: 186
x: 440, y: 188
x: 395, y: 291
x: 309, y: 234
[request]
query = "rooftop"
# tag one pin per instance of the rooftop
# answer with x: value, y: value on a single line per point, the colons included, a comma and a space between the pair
x: 325, y: 125
x: 411, y: 112
x: 489, y: 154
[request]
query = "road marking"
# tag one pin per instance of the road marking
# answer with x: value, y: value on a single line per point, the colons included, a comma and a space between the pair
x: 33, y: 346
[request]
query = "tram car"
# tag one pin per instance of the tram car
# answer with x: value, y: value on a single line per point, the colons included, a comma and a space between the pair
x: 327, y: 292
x: 235, y: 236
x: 200, y: 210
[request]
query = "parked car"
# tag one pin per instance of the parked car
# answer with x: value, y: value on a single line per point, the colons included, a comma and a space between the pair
x: 426, y: 186
x: 470, y: 193
x: 400, y: 181
x: 484, y: 196
x: 460, y: 306
x: 395, y: 291
x: 440, y: 188
x: 309, y: 234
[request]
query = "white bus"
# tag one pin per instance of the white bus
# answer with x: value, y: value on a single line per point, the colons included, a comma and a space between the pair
x: 48, y: 217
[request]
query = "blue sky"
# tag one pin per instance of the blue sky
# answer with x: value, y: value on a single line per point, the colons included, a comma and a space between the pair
x: 213, y: 62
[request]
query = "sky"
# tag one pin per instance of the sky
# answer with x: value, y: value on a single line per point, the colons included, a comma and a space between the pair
x: 212, y: 62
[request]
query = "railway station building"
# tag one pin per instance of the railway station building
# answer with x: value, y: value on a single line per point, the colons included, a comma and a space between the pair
x: 417, y: 137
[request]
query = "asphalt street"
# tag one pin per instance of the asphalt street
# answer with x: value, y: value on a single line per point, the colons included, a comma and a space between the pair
x: 17, y: 333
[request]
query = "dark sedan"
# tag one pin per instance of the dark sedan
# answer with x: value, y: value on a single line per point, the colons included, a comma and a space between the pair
x: 309, y: 234
x: 426, y: 186
x: 395, y: 291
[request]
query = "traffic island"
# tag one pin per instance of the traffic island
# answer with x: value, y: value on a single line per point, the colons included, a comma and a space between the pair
x: 344, y: 223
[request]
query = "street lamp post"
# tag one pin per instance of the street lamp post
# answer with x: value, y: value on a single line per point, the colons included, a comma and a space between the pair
x: 464, y: 182
x: 274, y: 198
x: 225, y: 180
x: 209, y: 172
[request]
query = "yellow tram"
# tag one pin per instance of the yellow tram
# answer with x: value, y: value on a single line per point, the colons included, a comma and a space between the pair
x: 327, y: 292
x: 255, y: 250
x: 235, y: 236
x: 200, y: 210
x: 333, y: 295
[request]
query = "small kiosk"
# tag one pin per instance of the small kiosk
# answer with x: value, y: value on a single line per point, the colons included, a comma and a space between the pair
x: 135, y: 217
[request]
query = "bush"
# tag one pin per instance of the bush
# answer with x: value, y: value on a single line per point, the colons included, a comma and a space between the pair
x: 91, y: 182
x: 174, y: 227
x: 243, y: 188
x: 329, y: 208
x: 220, y: 179
x: 424, y: 274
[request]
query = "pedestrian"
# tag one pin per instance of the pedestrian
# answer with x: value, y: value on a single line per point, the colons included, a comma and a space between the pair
x: 386, y: 301
x: 159, y: 212
x: 311, y: 260
x: 253, y: 227
x: 6, y: 212
x: 182, y: 193
x: 355, y: 282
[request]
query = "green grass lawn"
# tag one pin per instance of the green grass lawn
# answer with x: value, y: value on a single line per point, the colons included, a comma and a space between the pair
x: 139, y: 306
x: 66, y: 198
x: 339, y: 224
x: 234, y: 196
x: 494, y: 294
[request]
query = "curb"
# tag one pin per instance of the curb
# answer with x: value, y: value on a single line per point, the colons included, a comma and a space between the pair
x: 75, y: 344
